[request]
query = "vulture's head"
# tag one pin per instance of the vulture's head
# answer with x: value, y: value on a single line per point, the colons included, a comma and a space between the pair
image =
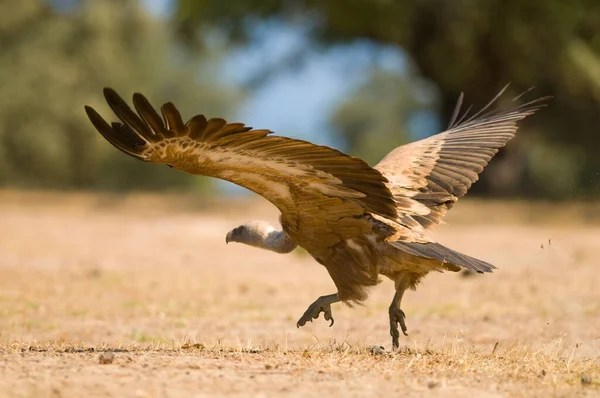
x: 253, y: 233
x: 261, y: 234
x: 236, y: 235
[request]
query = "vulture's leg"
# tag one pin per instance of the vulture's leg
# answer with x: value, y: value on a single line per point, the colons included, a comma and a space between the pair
x: 397, y: 317
x: 322, y: 304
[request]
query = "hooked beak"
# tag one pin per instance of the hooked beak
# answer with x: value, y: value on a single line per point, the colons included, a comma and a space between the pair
x: 228, y: 237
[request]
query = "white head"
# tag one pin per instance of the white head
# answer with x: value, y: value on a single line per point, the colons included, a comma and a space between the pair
x: 261, y: 234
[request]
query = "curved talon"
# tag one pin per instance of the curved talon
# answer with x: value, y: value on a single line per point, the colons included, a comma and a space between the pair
x: 327, y: 315
x: 313, y: 312
x: 397, y: 316
x: 401, y: 320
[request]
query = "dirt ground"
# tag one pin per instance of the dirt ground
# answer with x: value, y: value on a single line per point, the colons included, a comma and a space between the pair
x: 139, y: 296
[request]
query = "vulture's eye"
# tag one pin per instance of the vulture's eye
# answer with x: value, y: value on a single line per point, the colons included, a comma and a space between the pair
x: 239, y: 230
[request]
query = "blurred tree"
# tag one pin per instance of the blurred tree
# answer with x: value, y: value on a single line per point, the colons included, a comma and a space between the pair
x: 56, y: 59
x: 473, y: 46
x: 374, y: 118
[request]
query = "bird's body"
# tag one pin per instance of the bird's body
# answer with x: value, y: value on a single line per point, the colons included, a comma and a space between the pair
x: 357, y: 221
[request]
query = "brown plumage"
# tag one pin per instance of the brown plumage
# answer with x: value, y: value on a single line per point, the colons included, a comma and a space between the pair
x: 356, y: 220
x: 439, y: 170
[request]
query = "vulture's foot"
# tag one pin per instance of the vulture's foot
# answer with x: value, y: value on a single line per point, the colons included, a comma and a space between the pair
x: 322, y: 304
x: 397, y: 317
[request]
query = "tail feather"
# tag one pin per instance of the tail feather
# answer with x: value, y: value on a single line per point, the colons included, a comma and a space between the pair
x: 440, y: 252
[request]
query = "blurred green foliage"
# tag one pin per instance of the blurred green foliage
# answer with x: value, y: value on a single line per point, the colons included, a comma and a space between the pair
x: 462, y: 45
x: 55, y: 61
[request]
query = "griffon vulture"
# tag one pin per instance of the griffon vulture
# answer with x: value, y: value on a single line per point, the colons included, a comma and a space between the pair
x: 356, y: 220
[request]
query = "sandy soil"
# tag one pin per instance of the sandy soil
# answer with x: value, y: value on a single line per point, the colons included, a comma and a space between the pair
x: 148, y: 286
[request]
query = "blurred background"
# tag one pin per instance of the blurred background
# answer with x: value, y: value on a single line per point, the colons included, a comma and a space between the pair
x: 99, y: 248
x: 362, y: 76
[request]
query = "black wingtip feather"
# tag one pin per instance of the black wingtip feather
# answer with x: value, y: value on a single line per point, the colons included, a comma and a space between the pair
x: 149, y: 114
x: 173, y: 118
x: 122, y: 142
x: 127, y: 115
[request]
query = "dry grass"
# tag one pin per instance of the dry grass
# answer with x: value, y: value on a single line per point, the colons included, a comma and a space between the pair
x: 151, y: 280
x: 332, y: 369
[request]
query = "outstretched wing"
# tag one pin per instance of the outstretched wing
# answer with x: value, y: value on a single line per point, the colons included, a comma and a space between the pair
x: 318, y: 190
x: 427, y: 177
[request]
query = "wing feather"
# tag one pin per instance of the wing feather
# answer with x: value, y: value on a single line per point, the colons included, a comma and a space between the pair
x: 292, y: 174
x: 173, y: 120
x: 438, y: 170
x: 149, y: 115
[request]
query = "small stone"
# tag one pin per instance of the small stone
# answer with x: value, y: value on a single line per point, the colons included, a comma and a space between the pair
x: 106, y: 358
x: 433, y: 384
x: 588, y: 380
x: 377, y: 350
x: 267, y: 367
